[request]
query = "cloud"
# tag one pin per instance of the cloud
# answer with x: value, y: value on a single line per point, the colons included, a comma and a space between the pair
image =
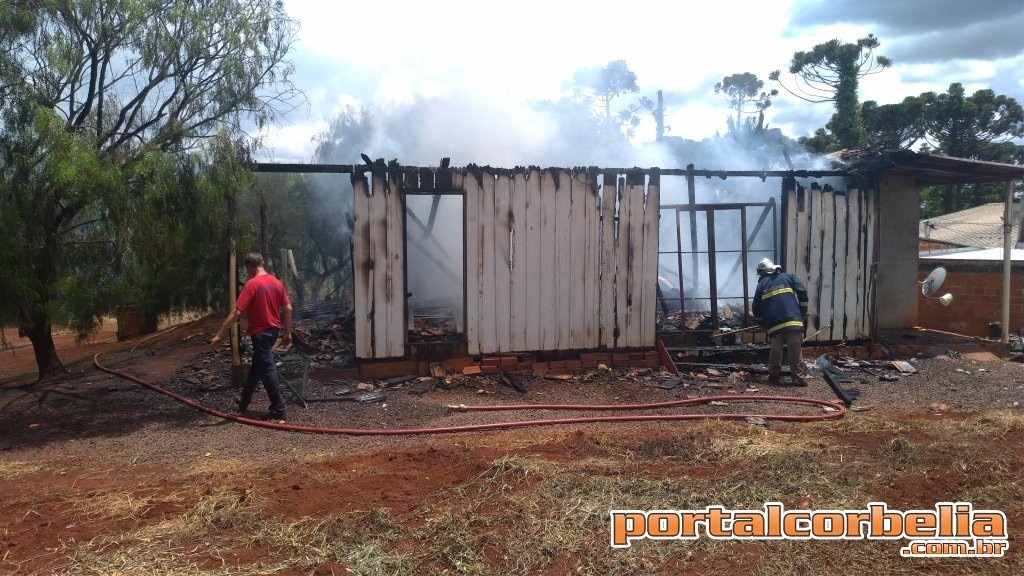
x: 916, y: 31
x: 493, y: 60
x: 897, y: 18
x: 991, y: 40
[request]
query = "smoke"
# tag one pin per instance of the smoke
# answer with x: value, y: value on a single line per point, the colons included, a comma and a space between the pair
x: 472, y: 130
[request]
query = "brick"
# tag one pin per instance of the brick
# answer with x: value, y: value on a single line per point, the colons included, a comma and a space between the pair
x: 490, y: 369
x: 573, y: 365
x: 472, y: 370
x: 490, y: 361
x: 540, y: 368
x: 388, y: 369
x: 457, y: 364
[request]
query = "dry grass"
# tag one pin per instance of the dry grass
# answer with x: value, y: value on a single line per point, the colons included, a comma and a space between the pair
x: 14, y: 468
x: 527, y: 515
x: 223, y: 466
x: 115, y: 504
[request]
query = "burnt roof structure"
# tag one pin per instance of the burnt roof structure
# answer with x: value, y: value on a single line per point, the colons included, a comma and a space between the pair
x: 929, y: 169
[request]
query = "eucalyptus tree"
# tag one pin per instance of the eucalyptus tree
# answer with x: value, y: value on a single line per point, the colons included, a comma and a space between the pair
x: 113, y: 101
x: 831, y: 72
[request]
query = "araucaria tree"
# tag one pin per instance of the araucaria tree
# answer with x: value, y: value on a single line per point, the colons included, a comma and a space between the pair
x: 599, y: 86
x: 106, y: 108
x: 831, y: 72
x: 981, y: 126
x: 746, y: 96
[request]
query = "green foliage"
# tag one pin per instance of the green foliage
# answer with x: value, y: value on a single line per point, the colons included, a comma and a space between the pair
x: 822, y: 142
x: 831, y: 72
x: 115, y: 154
x: 598, y: 86
x: 982, y: 126
x: 964, y: 126
x: 893, y: 126
x: 178, y: 216
x: 746, y: 95
x: 322, y: 244
x: 350, y: 133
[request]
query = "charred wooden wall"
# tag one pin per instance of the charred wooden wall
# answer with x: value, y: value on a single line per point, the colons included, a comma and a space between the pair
x: 378, y: 245
x: 559, y: 259
x: 555, y: 259
x: 829, y: 238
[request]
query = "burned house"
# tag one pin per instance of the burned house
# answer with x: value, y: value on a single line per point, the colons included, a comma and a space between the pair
x: 559, y: 260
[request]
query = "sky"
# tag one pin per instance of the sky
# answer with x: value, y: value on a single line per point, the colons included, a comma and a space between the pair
x: 487, y: 61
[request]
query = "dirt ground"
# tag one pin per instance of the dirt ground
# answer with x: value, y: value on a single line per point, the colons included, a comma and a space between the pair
x: 70, y: 443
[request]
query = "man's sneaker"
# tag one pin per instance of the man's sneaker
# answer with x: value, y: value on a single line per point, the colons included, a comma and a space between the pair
x: 774, y: 378
x: 242, y: 407
x: 799, y: 381
x: 276, y: 418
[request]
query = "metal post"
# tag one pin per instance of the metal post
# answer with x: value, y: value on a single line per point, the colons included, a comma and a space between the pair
x: 712, y: 268
x: 1007, y: 267
x: 691, y: 191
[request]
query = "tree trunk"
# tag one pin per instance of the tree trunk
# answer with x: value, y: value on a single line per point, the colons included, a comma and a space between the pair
x: 264, y: 245
x: 36, y: 324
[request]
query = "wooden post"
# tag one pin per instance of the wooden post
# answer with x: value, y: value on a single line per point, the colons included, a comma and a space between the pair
x: 291, y: 264
x: 283, y: 274
x: 237, y: 372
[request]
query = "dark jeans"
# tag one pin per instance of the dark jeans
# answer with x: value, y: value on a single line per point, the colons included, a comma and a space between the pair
x: 264, y: 368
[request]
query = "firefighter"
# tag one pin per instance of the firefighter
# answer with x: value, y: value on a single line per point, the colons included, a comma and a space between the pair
x: 780, y: 306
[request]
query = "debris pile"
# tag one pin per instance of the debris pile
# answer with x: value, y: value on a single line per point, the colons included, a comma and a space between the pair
x: 435, y: 324
x: 730, y: 316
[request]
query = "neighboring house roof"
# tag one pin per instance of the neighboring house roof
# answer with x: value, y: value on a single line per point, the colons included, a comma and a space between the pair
x: 988, y: 254
x: 978, y: 227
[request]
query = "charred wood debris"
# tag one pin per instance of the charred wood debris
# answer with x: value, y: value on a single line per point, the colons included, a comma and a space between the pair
x: 323, y: 346
x: 716, y: 342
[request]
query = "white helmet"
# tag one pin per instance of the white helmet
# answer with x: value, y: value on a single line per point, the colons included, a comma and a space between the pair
x: 766, y: 266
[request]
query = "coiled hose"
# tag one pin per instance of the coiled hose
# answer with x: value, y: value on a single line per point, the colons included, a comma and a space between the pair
x: 839, y: 412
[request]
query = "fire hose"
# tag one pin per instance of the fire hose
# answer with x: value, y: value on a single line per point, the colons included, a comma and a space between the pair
x: 836, y: 411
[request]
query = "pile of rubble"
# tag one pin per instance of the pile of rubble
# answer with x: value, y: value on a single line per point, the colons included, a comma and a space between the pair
x: 730, y: 316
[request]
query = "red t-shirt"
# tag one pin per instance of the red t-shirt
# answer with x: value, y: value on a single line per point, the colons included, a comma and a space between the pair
x: 261, y: 299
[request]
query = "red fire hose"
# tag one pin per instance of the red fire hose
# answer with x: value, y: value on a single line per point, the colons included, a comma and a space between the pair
x: 839, y: 412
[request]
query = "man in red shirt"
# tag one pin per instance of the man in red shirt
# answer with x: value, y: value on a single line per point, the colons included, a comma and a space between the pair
x: 261, y: 300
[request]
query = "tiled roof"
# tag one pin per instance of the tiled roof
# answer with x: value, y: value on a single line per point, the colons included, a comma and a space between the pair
x: 987, y: 254
x: 978, y: 227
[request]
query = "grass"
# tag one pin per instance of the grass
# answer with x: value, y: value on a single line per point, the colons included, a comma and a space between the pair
x: 533, y: 514
x: 14, y: 468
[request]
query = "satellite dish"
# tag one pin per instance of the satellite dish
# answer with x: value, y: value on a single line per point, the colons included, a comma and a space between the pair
x: 933, y: 282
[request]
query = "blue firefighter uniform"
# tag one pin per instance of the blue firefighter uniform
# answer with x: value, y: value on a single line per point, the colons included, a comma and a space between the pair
x: 780, y: 303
